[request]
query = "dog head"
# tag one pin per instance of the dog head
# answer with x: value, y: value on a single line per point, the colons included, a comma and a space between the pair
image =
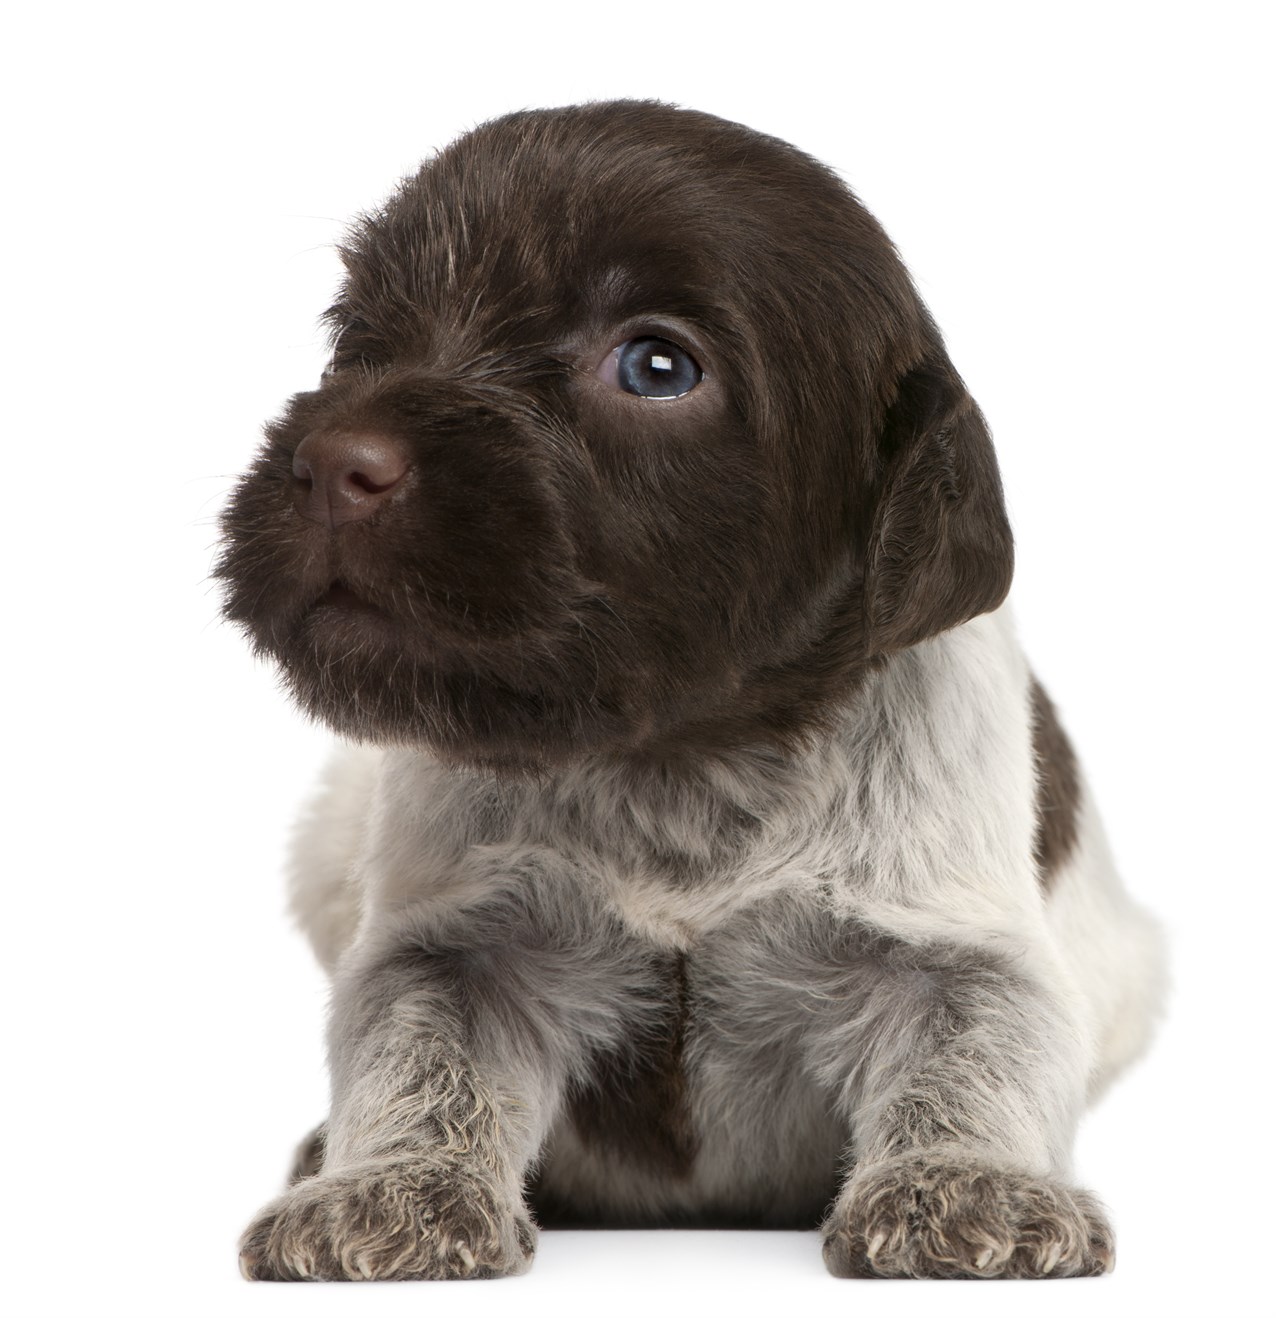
x: 636, y: 439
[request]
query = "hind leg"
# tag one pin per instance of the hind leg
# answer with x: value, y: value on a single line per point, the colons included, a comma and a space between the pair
x: 307, y: 1160
x: 1114, y: 951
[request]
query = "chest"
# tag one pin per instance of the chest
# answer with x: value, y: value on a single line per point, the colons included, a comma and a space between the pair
x: 721, y: 1093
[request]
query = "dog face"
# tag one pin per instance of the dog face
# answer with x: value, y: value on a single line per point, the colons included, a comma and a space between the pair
x: 635, y: 439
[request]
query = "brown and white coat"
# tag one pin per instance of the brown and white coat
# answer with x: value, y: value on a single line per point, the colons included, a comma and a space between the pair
x: 713, y: 854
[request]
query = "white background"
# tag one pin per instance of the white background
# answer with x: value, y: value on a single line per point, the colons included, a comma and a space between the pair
x: 1081, y: 192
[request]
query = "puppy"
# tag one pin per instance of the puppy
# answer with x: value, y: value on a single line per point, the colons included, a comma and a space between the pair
x: 711, y: 854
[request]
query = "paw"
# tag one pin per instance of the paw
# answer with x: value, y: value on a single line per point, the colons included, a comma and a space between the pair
x: 920, y: 1218
x: 387, y: 1223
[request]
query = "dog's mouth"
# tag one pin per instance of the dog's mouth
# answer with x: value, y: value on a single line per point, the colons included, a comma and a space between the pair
x: 346, y: 612
x: 345, y: 598
x: 342, y: 612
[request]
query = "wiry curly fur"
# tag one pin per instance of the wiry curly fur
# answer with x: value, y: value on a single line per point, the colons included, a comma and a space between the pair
x: 932, y: 1218
x: 432, y: 1198
x: 712, y: 854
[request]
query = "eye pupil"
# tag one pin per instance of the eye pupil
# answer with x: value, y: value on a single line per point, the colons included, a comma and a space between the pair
x: 656, y: 368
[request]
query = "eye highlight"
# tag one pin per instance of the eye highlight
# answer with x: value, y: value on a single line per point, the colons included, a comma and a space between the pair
x: 650, y: 367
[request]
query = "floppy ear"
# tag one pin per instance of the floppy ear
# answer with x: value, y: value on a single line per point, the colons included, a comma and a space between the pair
x: 941, y: 550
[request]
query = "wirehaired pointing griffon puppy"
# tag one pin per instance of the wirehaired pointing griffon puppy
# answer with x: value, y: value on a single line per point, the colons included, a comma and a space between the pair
x: 710, y: 853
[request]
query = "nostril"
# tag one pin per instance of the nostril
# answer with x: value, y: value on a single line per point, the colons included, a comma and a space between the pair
x: 365, y: 482
x: 375, y: 464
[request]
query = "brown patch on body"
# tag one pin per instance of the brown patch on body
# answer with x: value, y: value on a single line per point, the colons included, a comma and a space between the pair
x: 635, y: 1106
x: 1058, y: 788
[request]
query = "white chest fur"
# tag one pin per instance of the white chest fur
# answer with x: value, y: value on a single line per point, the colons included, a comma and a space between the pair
x: 920, y: 809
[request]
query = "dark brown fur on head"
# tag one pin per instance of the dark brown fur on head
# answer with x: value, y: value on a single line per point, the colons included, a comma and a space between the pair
x: 569, y: 569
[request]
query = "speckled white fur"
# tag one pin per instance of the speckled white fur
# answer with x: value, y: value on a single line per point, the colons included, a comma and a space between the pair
x: 829, y: 905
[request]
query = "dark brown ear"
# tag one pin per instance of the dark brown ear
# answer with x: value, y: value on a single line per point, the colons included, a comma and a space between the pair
x: 941, y: 550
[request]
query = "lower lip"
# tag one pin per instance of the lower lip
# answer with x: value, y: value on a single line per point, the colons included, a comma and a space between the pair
x: 341, y: 597
x: 340, y: 602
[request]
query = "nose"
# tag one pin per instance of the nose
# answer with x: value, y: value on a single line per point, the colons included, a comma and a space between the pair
x: 339, y: 477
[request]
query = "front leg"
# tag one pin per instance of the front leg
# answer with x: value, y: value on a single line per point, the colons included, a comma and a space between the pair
x: 431, y: 1131
x: 963, y: 1112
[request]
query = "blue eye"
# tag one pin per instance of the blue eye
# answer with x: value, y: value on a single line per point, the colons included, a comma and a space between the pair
x: 651, y: 368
